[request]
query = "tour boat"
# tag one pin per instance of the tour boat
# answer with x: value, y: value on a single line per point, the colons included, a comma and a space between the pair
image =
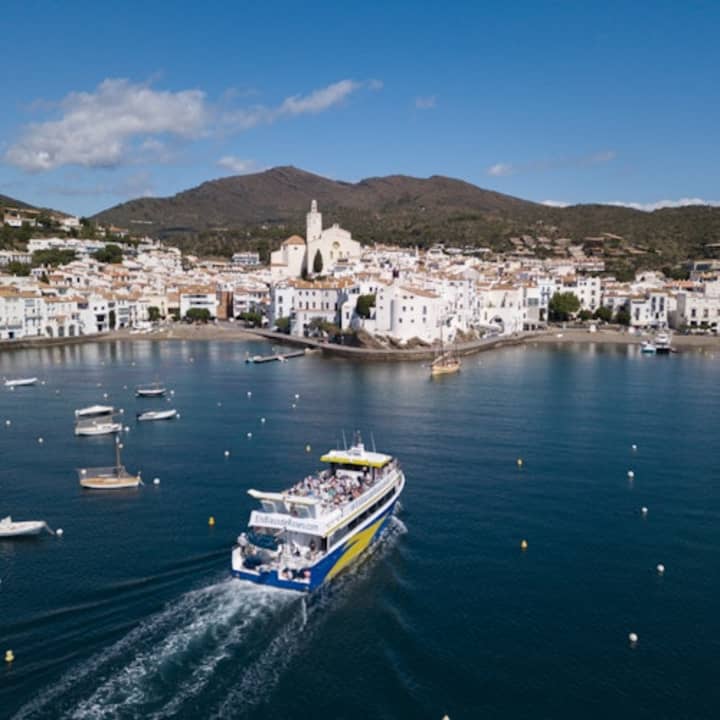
x: 10, y: 528
x: 20, y: 382
x: 97, y: 427
x: 109, y: 478
x: 156, y: 415
x: 306, y: 535
x: 151, y: 391
x: 94, y: 411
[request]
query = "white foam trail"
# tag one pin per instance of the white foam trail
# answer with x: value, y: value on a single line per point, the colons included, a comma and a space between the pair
x: 167, y: 636
x: 258, y: 680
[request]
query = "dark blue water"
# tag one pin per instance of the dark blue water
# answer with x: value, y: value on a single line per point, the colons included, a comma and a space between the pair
x: 132, y: 613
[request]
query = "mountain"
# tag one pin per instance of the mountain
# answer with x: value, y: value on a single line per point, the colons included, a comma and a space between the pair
x: 261, y: 209
x: 6, y: 201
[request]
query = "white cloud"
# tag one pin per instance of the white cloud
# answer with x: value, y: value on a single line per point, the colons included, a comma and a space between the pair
x: 425, y: 103
x: 237, y: 165
x: 650, y: 206
x: 138, y: 185
x: 500, y: 170
x: 315, y: 102
x: 554, y: 203
x: 96, y: 128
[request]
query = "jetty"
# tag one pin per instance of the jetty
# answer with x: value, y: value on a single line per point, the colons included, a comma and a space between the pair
x: 277, y: 357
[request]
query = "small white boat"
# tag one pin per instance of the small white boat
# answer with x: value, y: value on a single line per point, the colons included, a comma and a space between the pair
x: 20, y: 382
x: 94, y: 411
x: 648, y: 348
x: 662, y: 343
x: 10, y: 528
x: 95, y: 427
x: 109, y: 478
x: 152, y: 391
x: 156, y: 415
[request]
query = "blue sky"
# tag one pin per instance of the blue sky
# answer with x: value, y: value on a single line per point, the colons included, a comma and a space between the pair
x: 550, y: 101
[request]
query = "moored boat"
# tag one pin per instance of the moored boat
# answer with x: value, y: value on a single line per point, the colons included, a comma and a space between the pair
x: 90, y: 428
x: 156, y: 415
x: 445, y: 364
x: 94, y: 411
x: 20, y: 382
x: 109, y: 478
x: 10, y: 528
x: 662, y: 344
x: 150, y: 391
x: 648, y: 348
x: 306, y: 535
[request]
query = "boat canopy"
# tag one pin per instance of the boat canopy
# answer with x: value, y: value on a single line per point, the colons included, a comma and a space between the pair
x: 356, y: 456
x: 282, y: 497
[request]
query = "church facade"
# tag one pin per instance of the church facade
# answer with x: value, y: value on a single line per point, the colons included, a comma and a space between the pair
x: 333, y: 246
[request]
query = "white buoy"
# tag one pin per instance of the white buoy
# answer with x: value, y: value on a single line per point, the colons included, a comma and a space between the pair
x: 631, y: 474
x: 249, y: 435
x: 59, y: 532
x: 297, y: 396
x: 634, y: 447
x: 99, y: 384
x: 262, y: 420
x: 125, y: 386
x: 294, y: 406
x: 644, y: 510
x: 122, y: 411
x: 660, y: 568
x: 227, y: 453
x: 127, y: 428
x: 105, y: 395
x: 219, y: 404
x: 156, y: 481
x: 249, y: 394
x: 41, y: 440
x: 8, y: 423
x: 172, y: 392
x: 633, y: 638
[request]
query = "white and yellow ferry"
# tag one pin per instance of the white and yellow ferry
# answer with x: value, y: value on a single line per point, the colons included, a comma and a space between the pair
x: 308, y: 534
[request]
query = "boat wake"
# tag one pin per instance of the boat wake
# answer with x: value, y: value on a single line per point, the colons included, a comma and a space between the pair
x: 229, y: 642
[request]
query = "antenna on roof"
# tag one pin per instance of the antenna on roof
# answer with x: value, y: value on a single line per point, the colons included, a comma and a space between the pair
x: 344, y: 441
x: 372, y: 438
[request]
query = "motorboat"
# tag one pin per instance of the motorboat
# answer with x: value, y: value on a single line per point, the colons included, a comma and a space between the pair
x: 109, y: 478
x: 151, y: 391
x: 20, y: 382
x: 662, y: 344
x: 304, y: 536
x: 97, y: 426
x: 10, y: 528
x: 156, y: 415
x: 648, y: 348
x: 94, y: 411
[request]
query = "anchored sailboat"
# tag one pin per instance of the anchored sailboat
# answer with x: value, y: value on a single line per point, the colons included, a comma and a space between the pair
x: 446, y: 362
x: 109, y: 478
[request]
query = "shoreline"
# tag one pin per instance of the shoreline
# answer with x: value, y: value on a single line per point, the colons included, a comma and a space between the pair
x: 228, y: 332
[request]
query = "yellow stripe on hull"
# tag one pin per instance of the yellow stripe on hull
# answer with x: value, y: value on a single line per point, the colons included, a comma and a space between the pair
x: 356, y: 546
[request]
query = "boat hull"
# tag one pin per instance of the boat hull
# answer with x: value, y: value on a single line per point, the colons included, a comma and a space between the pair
x: 162, y: 415
x: 29, y: 528
x: 99, y: 484
x: 98, y: 430
x: 24, y: 382
x: 333, y: 563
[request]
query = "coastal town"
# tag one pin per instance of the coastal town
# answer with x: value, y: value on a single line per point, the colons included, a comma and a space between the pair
x: 327, y: 285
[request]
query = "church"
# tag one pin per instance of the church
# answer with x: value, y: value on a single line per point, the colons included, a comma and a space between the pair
x: 333, y: 246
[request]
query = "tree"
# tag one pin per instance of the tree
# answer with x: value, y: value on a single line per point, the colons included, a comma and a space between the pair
x: 603, y: 313
x: 18, y: 268
x: 109, y: 254
x: 252, y: 318
x: 585, y: 315
x: 318, y: 262
x: 283, y: 324
x: 563, y: 305
x: 153, y: 313
x: 52, y: 257
x: 197, y: 315
x: 112, y: 319
x: 622, y: 317
x: 364, y: 305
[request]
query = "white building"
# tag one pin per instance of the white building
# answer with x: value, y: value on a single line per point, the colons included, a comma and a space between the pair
x: 334, y: 246
x: 199, y: 298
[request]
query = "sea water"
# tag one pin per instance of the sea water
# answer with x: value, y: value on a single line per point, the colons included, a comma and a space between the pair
x: 133, y: 614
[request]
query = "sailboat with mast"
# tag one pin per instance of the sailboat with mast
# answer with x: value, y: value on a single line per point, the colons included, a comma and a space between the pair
x: 109, y: 478
x: 446, y: 362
